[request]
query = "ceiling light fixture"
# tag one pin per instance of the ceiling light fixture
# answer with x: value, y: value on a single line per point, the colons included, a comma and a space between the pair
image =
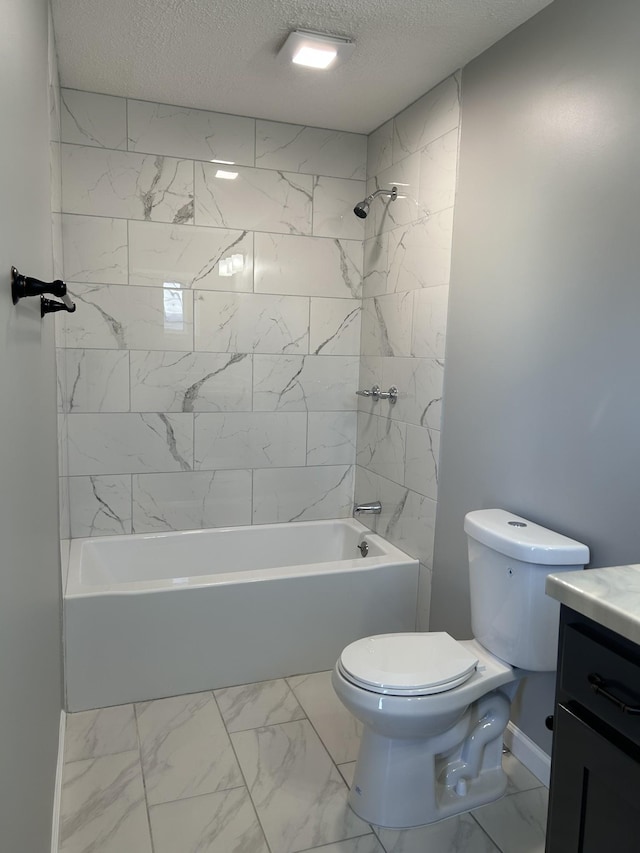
x: 316, y: 50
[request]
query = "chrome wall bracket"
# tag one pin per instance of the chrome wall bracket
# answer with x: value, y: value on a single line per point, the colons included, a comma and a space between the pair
x: 377, y: 394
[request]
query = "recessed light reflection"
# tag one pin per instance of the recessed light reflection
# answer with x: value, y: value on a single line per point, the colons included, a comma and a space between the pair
x: 224, y: 162
x: 227, y: 176
x: 173, y: 307
x: 231, y: 265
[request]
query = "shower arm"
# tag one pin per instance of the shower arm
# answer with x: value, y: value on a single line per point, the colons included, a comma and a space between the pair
x: 392, y: 193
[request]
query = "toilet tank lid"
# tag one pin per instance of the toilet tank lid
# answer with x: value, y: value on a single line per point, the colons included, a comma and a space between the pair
x: 523, y: 540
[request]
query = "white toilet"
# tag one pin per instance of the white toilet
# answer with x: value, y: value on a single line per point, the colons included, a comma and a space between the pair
x: 433, y: 709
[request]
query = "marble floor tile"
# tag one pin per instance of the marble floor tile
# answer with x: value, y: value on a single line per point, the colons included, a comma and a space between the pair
x: 253, y: 705
x: 298, y: 793
x: 214, y: 823
x: 185, y: 748
x: 364, y: 844
x: 338, y: 729
x: 103, y: 807
x: 519, y: 778
x: 516, y: 823
x: 90, y: 734
x: 348, y: 771
x: 460, y: 834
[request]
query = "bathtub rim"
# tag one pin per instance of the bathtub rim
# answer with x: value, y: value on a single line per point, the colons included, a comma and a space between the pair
x: 74, y: 589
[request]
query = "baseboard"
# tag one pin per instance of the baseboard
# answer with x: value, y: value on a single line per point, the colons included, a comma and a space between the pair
x: 529, y: 753
x: 57, y: 796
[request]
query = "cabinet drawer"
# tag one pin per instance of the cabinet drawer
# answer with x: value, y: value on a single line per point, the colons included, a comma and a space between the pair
x: 602, y: 680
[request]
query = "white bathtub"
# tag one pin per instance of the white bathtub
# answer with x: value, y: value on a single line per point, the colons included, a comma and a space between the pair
x: 161, y: 614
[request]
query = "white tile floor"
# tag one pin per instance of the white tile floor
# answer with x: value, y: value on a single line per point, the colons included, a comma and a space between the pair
x: 261, y: 768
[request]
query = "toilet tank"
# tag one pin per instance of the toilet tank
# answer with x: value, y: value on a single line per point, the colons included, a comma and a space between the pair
x: 509, y: 560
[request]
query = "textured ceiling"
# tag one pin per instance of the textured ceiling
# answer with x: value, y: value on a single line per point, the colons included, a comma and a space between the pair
x: 221, y: 54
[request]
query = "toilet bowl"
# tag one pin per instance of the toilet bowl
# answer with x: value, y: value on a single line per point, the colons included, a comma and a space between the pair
x: 434, y: 709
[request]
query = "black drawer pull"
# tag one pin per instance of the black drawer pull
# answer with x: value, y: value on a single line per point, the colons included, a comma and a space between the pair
x: 597, y: 685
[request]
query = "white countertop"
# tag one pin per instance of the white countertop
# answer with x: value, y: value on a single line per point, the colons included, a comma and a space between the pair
x: 609, y: 596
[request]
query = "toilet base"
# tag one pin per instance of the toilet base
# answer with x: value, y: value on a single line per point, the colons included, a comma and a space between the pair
x: 405, y: 782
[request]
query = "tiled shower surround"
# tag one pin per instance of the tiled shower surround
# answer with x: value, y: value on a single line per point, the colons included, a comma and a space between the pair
x: 213, y: 358
x: 406, y: 284
x: 211, y: 367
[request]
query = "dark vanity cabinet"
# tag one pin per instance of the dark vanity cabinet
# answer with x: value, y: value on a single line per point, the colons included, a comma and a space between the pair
x: 594, y: 802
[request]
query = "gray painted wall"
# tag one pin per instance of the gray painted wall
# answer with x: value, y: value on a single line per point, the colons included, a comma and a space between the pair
x: 30, y: 653
x: 542, y: 380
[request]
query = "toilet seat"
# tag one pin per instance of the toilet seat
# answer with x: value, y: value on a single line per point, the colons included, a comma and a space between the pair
x: 407, y: 664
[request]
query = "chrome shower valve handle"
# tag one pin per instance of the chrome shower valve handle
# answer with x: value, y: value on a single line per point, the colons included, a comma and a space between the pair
x: 377, y: 394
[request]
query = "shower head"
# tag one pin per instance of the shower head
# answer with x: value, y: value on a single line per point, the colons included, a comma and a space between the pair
x: 362, y: 207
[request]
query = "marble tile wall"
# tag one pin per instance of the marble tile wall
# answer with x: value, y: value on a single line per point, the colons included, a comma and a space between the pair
x: 405, y: 293
x: 212, y: 361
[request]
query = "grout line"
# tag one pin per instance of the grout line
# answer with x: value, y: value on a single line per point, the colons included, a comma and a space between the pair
x: 184, y: 158
x: 477, y: 822
x: 246, y: 784
x: 142, y: 774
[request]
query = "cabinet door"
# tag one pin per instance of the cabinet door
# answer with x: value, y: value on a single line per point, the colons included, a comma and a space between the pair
x: 594, y: 792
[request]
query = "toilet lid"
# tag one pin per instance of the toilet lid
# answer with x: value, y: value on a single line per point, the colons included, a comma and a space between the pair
x: 408, y: 664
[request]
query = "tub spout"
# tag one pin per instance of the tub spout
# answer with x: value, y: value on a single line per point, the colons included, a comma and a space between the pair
x: 372, y: 507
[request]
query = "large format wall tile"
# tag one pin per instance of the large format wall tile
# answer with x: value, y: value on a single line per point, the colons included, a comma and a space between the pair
x: 190, y: 382
x: 89, y: 119
x: 420, y: 253
x: 256, y: 199
x: 302, y: 494
x: 192, y: 500
x: 419, y: 382
x: 331, y: 438
x: 189, y: 256
x: 376, y: 265
x: 244, y: 322
x: 381, y: 446
x: 407, y: 207
x: 304, y: 383
x: 430, y: 322
x: 250, y: 440
x: 433, y: 115
x: 438, y: 172
x: 380, y: 149
x: 114, y: 317
x: 183, y: 132
x: 130, y: 443
x: 407, y: 263
x: 201, y: 354
x: 96, y: 380
x: 407, y: 519
x: 335, y: 327
x: 421, y: 460
x: 308, y: 266
x: 100, y: 506
x: 95, y: 249
x: 128, y: 185
x: 312, y: 150
x: 333, y: 203
x: 386, y: 325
